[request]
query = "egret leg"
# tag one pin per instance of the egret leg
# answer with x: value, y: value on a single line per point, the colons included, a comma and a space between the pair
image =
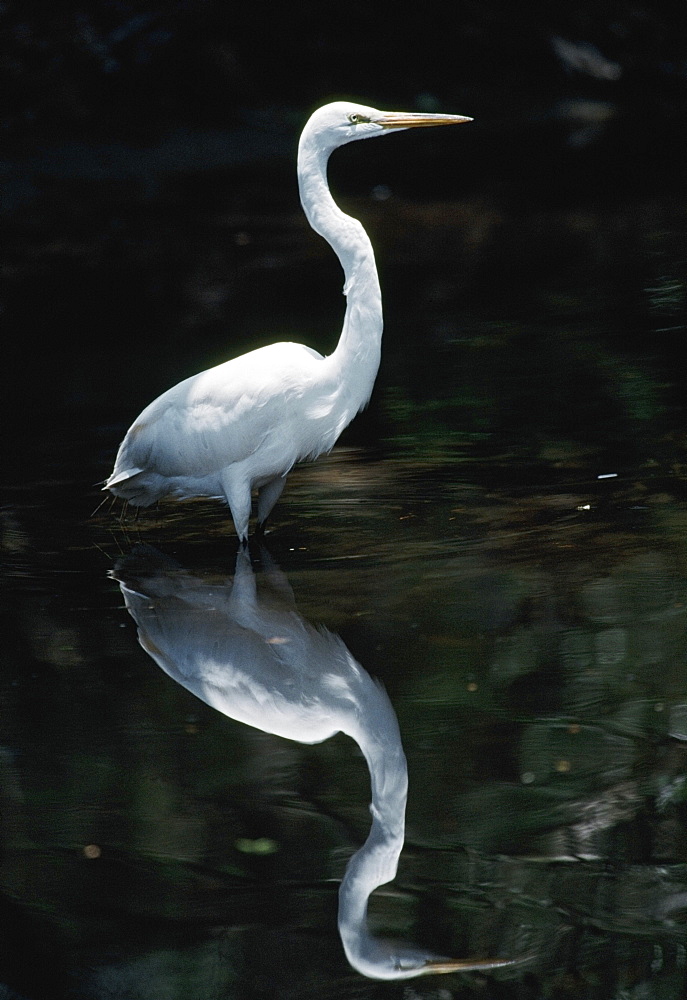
x: 244, y: 592
x: 277, y: 579
x: 237, y: 493
x: 267, y: 498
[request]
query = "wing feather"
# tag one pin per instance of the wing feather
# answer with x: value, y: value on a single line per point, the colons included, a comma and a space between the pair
x: 219, y: 416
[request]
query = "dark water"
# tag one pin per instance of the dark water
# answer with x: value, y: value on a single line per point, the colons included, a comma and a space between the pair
x: 525, y: 616
x: 532, y: 645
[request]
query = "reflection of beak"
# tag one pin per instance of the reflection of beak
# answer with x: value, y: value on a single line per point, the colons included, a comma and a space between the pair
x: 439, y: 965
x: 404, y: 119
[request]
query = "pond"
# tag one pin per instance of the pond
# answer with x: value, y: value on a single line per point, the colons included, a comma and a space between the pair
x: 531, y: 645
x: 481, y: 592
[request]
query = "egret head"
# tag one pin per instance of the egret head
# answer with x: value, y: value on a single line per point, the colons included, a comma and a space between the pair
x: 343, y: 121
x: 380, y: 958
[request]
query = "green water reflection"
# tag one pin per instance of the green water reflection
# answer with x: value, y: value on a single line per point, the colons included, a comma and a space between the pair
x: 532, y: 644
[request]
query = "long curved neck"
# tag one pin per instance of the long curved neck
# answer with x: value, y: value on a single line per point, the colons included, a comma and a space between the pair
x: 375, y: 863
x: 359, y: 347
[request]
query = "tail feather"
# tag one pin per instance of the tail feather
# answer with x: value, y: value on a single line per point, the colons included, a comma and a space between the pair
x: 122, y: 477
x: 134, y: 486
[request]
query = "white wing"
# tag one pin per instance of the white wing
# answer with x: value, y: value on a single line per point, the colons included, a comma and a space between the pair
x: 220, y: 416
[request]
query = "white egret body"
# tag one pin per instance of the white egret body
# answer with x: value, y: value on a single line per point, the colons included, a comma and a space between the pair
x: 254, y: 658
x: 244, y: 424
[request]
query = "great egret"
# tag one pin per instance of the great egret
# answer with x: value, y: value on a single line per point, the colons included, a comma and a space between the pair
x: 244, y: 424
x: 254, y: 658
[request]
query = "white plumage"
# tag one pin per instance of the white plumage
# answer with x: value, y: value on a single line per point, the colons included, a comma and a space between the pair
x: 252, y: 656
x: 244, y: 424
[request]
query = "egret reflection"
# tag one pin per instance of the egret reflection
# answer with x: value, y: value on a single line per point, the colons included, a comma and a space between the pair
x: 253, y: 657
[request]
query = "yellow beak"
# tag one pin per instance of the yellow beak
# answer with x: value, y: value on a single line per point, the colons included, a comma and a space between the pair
x: 443, y: 965
x: 406, y: 119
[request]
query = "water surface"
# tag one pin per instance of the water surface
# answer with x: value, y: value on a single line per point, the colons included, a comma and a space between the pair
x: 532, y: 645
x: 499, y: 541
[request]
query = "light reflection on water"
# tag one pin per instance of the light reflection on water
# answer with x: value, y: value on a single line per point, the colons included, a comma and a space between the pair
x: 256, y: 660
x: 533, y: 649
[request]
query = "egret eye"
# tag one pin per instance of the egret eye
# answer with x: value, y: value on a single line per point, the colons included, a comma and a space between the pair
x: 356, y: 118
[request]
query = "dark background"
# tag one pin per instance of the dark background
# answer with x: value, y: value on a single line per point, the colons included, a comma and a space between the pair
x: 533, y: 270
x: 153, y: 226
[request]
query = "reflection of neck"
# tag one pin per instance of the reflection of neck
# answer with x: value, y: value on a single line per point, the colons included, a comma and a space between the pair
x: 376, y: 862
